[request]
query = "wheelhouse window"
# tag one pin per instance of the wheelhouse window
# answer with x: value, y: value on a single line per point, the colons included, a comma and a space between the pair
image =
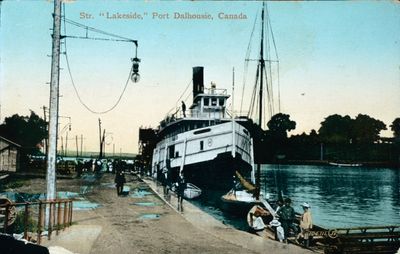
x: 221, y: 102
x: 206, y: 101
x: 214, y: 102
x: 201, y: 145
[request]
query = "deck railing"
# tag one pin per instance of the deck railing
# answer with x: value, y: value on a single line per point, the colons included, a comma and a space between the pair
x: 59, y: 216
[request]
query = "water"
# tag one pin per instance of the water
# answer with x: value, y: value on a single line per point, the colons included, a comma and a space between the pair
x: 79, y: 203
x: 145, y: 204
x: 149, y: 216
x: 339, y: 196
x: 140, y: 193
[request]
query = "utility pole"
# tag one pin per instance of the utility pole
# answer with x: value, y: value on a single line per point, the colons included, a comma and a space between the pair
x: 66, y: 145
x: 53, y: 108
x: 100, y: 139
x: 76, y: 142
x: 113, y: 151
x: 62, y: 146
x: 81, y: 144
x: 103, y: 147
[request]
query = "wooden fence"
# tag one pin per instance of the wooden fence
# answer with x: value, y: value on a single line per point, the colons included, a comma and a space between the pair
x: 35, y: 217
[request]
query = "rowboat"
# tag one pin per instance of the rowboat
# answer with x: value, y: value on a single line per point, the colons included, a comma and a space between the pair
x: 191, y: 191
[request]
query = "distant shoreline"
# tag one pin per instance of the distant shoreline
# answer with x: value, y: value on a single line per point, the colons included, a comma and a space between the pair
x: 368, y: 164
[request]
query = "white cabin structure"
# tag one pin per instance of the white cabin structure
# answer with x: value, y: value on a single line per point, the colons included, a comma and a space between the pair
x: 204, y: 144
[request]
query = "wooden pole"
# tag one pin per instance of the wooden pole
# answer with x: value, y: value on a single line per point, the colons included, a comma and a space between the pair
x: 81, y: 144
x: 65, y: 215
x: 62, y: 146
x: 101, y: 145
x: 54, y: 98
x: 49, y: 229
x: 76, y: 142
x: 26, y: 221
x: 39, y: 227
x: 6, y: 218
x: 66, y: 145
x: 70, y: 212
x: 58, y: 216
x: 262, y: 66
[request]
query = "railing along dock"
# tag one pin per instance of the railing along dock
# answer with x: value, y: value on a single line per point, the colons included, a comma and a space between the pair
x: 372, y: 239
x: 59, y: 217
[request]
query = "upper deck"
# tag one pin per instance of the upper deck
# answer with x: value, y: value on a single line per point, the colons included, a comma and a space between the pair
x: 209, y: 107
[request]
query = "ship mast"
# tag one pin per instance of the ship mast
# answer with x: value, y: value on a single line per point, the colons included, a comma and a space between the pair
x: 261, y: 67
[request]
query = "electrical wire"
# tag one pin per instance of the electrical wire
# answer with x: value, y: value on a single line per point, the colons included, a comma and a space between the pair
x: 95, y: 30
x: 74, y: 86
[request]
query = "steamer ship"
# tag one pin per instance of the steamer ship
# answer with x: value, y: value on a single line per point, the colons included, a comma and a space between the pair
x: 205, y: 144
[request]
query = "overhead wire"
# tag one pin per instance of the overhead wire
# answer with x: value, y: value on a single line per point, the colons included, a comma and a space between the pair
x: 72, y: 79
x: 88, y: 28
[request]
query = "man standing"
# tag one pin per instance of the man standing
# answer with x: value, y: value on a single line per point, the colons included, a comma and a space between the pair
x: 119, y: 181
x: 286, y: 217
x: 184, y: 109
x: 306, y: 224
x: 180, y: 192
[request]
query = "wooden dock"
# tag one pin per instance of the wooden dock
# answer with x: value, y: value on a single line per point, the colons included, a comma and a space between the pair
x: 358, y: 240
x: 364, y: 240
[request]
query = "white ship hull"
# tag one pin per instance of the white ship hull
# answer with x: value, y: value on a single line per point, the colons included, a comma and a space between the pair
x: 204, y: 143
x: 200, y: 151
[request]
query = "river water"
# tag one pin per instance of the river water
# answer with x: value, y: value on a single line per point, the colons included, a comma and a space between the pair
x: 339, y: 196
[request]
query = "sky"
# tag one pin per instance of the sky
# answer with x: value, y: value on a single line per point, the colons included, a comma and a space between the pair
x: 334, y: 57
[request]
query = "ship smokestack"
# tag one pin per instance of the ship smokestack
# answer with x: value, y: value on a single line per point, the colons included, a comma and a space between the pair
x: 198, y: 80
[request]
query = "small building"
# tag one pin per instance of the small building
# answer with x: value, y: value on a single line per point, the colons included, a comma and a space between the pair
x: 9, y: 155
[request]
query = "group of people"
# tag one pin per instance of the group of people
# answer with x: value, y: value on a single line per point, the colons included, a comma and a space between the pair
x: 285, y: 219
x: 283, y: 222
x: 97, y: 165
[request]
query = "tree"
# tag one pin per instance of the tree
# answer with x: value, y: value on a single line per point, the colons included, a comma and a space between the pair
x: 336, y: 129
x: 276, y: 136
x: 303, y: 138
x: 342, y: 129
x: 27, y: 131
x: 395, y: 127
x: 366, y: 129
x: 280, y: 124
